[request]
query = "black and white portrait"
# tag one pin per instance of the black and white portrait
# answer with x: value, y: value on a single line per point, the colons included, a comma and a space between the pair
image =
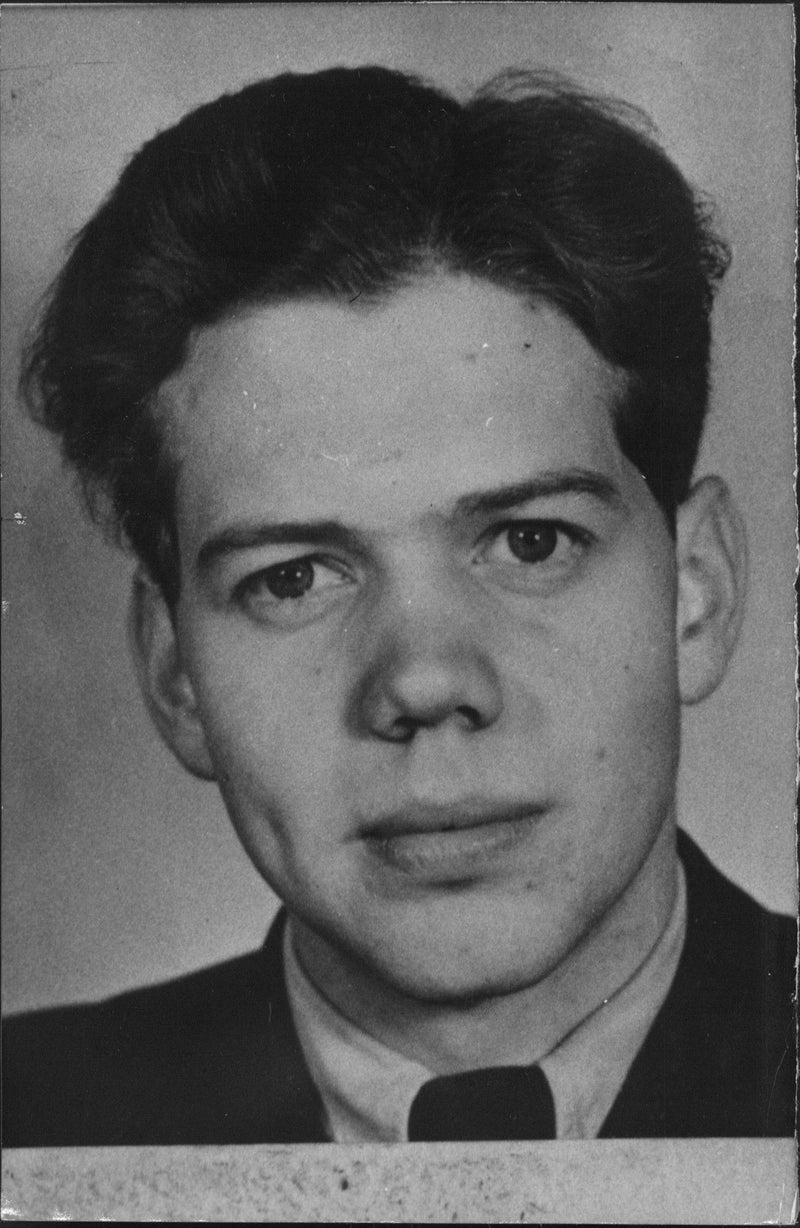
x: 399, y: 540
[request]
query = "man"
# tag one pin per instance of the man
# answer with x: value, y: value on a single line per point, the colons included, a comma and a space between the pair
x: 397, y: 401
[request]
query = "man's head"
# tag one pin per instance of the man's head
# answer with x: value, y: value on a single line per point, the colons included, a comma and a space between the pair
x: 398, y: 400
x: 345, y: 184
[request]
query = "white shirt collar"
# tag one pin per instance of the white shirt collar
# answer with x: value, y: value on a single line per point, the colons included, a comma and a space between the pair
x: 367, y: 1089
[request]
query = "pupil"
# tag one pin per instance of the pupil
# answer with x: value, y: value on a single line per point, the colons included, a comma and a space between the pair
x: 533, y: 543
x: 290, y: 580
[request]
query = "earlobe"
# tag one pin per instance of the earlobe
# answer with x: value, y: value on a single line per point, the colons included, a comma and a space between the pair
x: 165, y: 686
x: 712, y: 576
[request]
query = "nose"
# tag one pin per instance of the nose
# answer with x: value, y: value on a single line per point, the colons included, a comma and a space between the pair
x: 427, y: 668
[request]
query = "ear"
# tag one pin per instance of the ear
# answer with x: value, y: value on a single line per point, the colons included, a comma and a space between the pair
x: 712, y: 575
x: 165, y: 685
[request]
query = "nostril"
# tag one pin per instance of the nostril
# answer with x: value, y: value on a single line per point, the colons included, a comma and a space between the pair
x: 404, y: 728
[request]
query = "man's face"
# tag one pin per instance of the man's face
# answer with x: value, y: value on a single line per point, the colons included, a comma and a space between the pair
x: 428, y: 619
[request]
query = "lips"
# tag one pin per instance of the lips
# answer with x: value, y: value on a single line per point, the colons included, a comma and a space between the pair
x: 453, y: 841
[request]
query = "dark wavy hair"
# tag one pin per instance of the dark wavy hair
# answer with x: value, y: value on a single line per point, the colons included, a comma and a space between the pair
x: 350, y: 182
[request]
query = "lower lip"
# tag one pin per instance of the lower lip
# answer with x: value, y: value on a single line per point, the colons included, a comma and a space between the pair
x: 455, y: 853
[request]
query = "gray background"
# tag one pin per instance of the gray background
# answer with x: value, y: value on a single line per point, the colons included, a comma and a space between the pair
x: 119, y: 869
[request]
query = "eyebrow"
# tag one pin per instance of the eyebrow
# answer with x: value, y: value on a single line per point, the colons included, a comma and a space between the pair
x: 334, y: 533
x: 544, y: 485
x: 294, y: 532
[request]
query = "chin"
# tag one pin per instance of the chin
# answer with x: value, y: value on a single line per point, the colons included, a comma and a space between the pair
x: 444, y: 979
x: 472, y: 990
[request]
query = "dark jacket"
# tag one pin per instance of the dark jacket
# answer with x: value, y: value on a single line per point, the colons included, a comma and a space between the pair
x: 213, y: 1057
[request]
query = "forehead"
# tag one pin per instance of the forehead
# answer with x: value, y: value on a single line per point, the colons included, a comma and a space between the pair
x: 450, y: 384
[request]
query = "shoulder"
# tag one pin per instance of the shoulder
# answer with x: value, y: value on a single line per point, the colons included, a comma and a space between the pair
x: 739, y: 968
x: 160, y: 1013
x: 169, y: 1063
x: 720, y: 1057
x: 732, y: 939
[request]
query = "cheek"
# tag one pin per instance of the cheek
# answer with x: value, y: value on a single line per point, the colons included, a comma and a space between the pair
x: 271, y: 723
x: 634, y: 696
x: 277, y: 772
x: 241, y: 718
x: 241, y: 694
x: 607, y: 677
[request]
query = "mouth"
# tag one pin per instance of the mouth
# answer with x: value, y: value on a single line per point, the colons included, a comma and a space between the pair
x: 451, y: 842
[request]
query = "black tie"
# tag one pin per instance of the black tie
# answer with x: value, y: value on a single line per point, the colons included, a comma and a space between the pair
x: 505, y: 1102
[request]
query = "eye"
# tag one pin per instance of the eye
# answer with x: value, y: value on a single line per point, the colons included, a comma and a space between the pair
x: 292, y: 592
x: 532, y: 541
x: 531, y: 554
x: 288, y: 581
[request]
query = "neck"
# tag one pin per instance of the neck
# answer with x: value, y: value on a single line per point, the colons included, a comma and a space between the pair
x: 516, y: 1027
